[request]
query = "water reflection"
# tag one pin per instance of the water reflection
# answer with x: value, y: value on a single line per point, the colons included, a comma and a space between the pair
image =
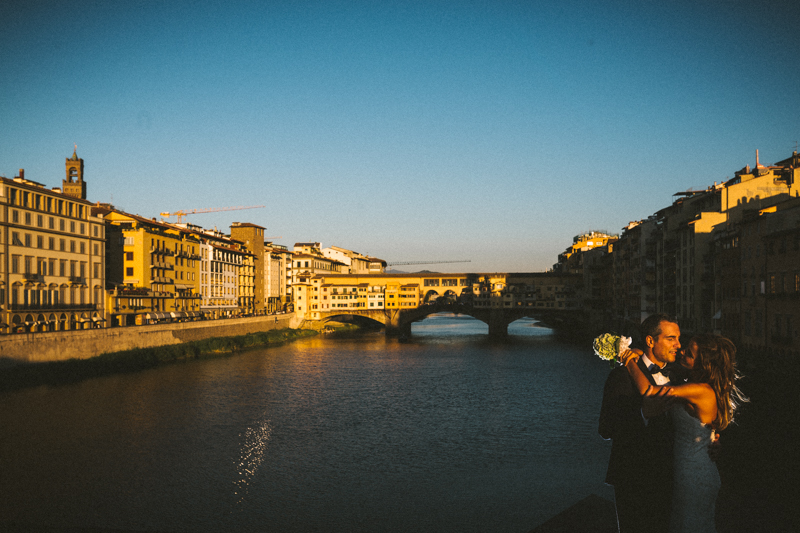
x: 251, y: 456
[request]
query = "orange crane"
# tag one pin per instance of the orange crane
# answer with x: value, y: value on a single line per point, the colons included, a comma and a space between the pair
x: 181, y: 214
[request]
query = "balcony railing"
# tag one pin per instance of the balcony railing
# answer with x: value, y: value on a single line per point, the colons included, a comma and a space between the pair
x: 28, y: 276
x: 53, y: 307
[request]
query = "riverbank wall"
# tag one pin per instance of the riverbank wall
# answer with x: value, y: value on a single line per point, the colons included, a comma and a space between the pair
x: 85, y: 344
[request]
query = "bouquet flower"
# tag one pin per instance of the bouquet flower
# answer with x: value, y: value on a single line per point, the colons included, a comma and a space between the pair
x: 610, y: 347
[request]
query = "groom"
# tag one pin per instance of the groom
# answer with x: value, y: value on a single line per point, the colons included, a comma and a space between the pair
x: 640, y: 466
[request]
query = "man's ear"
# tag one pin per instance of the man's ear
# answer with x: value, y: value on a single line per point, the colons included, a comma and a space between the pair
x: 649, y: 341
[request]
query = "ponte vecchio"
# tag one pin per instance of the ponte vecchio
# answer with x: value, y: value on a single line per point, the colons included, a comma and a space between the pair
x: 398, y: 300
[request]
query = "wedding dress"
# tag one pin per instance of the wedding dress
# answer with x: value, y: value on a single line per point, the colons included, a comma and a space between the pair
x: 696, y: 479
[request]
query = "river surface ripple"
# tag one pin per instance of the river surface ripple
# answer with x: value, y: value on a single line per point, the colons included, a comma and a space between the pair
x: 446, y: 432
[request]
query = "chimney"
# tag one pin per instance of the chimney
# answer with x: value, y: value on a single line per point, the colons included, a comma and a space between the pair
x: 21, y: 174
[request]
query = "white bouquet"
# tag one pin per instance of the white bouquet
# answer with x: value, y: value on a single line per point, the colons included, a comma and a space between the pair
x: 610, y: 347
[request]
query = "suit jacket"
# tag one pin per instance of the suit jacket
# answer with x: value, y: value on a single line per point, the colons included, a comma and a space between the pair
x: 641, y: 455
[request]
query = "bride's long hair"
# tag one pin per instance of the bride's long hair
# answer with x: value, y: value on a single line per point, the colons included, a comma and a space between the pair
x: 715, y: 364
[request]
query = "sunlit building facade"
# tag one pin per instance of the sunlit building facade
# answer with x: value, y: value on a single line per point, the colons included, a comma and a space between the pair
x: 52, y: 255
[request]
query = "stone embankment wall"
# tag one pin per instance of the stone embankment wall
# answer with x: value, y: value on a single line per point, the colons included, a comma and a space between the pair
x: 85, y: 344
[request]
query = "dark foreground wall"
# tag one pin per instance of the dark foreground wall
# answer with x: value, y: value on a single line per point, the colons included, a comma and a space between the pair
x: 84, y: 344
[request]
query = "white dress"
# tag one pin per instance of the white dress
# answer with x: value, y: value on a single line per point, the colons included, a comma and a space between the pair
x: 696, y: 478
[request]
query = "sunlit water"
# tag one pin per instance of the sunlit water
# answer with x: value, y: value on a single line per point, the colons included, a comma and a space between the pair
x: 446, y: 432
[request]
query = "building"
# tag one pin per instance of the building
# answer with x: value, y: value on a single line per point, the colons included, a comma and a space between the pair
x: 355, y: 263
x: 277, y: 266
x: 53, y: 255
x: 153, y: 269
x: 634, y: 258
x: 252, y: 236
x: 570, y: 261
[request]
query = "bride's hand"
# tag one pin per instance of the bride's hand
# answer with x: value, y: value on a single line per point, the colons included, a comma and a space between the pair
x: 629, y: 355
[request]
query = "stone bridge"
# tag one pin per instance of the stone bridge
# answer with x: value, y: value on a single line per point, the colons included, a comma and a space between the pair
x: 398, y: 300
x: 397, y: 322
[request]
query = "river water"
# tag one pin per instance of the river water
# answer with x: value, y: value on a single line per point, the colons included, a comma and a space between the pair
x: 445, y: 432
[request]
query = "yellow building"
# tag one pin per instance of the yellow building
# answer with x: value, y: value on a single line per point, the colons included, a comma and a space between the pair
x: 570, y: 261
x: 52, y: 257
x: 153, y: 269
x: 226, y: 273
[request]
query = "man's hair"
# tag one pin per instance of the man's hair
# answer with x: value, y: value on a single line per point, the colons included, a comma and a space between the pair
x: 651, y: 326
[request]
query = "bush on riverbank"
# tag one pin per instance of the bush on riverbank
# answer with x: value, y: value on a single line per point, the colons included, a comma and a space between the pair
x: 74, y: 370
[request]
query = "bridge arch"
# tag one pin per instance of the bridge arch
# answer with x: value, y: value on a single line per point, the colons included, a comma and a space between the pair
x: 431, y: 296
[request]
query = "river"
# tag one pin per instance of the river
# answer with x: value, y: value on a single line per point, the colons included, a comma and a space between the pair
x: 447, y: 432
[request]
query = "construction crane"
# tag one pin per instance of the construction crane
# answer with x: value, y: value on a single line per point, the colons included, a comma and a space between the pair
x: 181, y: 214
x: 425, y: 262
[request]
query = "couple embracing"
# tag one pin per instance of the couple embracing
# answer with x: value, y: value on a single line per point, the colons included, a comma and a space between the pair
x: 662, y: 410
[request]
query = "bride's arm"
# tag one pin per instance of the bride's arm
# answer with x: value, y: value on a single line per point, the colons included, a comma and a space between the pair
x: 693, y: 393
x: 700, y: 395
x: 629, y: 359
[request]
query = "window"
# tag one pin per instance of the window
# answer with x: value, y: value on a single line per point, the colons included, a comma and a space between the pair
x: 27, y: 219
x: 39, y: 241
x: 52, y: 243
x: 83, y: 247
x: 129, y: 272
x: 61, y: 223
x: 28, y: 240
x: 52, y: 223
x: 15, y: 239
x: 72, y: 246
x: 62, y: 245
x: 83, y: 228
x: 15, y: 264
x: 40, y: 221
x: 71, y: 225
x: 15, y: 216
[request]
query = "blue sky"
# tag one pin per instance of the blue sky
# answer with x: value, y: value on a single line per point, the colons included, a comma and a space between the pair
x: 485, y: 131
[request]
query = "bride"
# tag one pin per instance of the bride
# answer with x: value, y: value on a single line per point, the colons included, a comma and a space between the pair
x: 705, y: 404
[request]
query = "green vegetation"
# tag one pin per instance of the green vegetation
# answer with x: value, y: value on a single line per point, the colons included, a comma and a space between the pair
x: 75, y: 370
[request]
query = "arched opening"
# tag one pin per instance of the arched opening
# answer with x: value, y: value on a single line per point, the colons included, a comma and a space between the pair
x: 41, y: 323
x: 29, y: 323
x: 430, y: 297
x: 16, y: 324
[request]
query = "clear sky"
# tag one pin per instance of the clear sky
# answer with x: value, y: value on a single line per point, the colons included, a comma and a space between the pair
x: 485, y: 131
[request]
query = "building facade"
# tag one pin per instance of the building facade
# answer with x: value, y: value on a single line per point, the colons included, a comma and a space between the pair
x: 153, y: 269
x: 53, y: 255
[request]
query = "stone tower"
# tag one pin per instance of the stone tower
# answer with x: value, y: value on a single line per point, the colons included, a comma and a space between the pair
x: 252, y: 235
x: 74, y: 184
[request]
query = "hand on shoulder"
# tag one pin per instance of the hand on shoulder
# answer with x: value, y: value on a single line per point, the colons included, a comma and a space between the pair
x: 630, y: 355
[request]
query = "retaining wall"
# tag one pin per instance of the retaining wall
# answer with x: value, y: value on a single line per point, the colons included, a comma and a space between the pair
x: 85, y: 344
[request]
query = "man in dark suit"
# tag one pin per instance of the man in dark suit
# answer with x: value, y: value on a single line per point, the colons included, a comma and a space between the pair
x: 640, y: 467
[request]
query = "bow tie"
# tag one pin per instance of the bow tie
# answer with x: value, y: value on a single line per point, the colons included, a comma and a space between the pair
x: 654, y: 369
